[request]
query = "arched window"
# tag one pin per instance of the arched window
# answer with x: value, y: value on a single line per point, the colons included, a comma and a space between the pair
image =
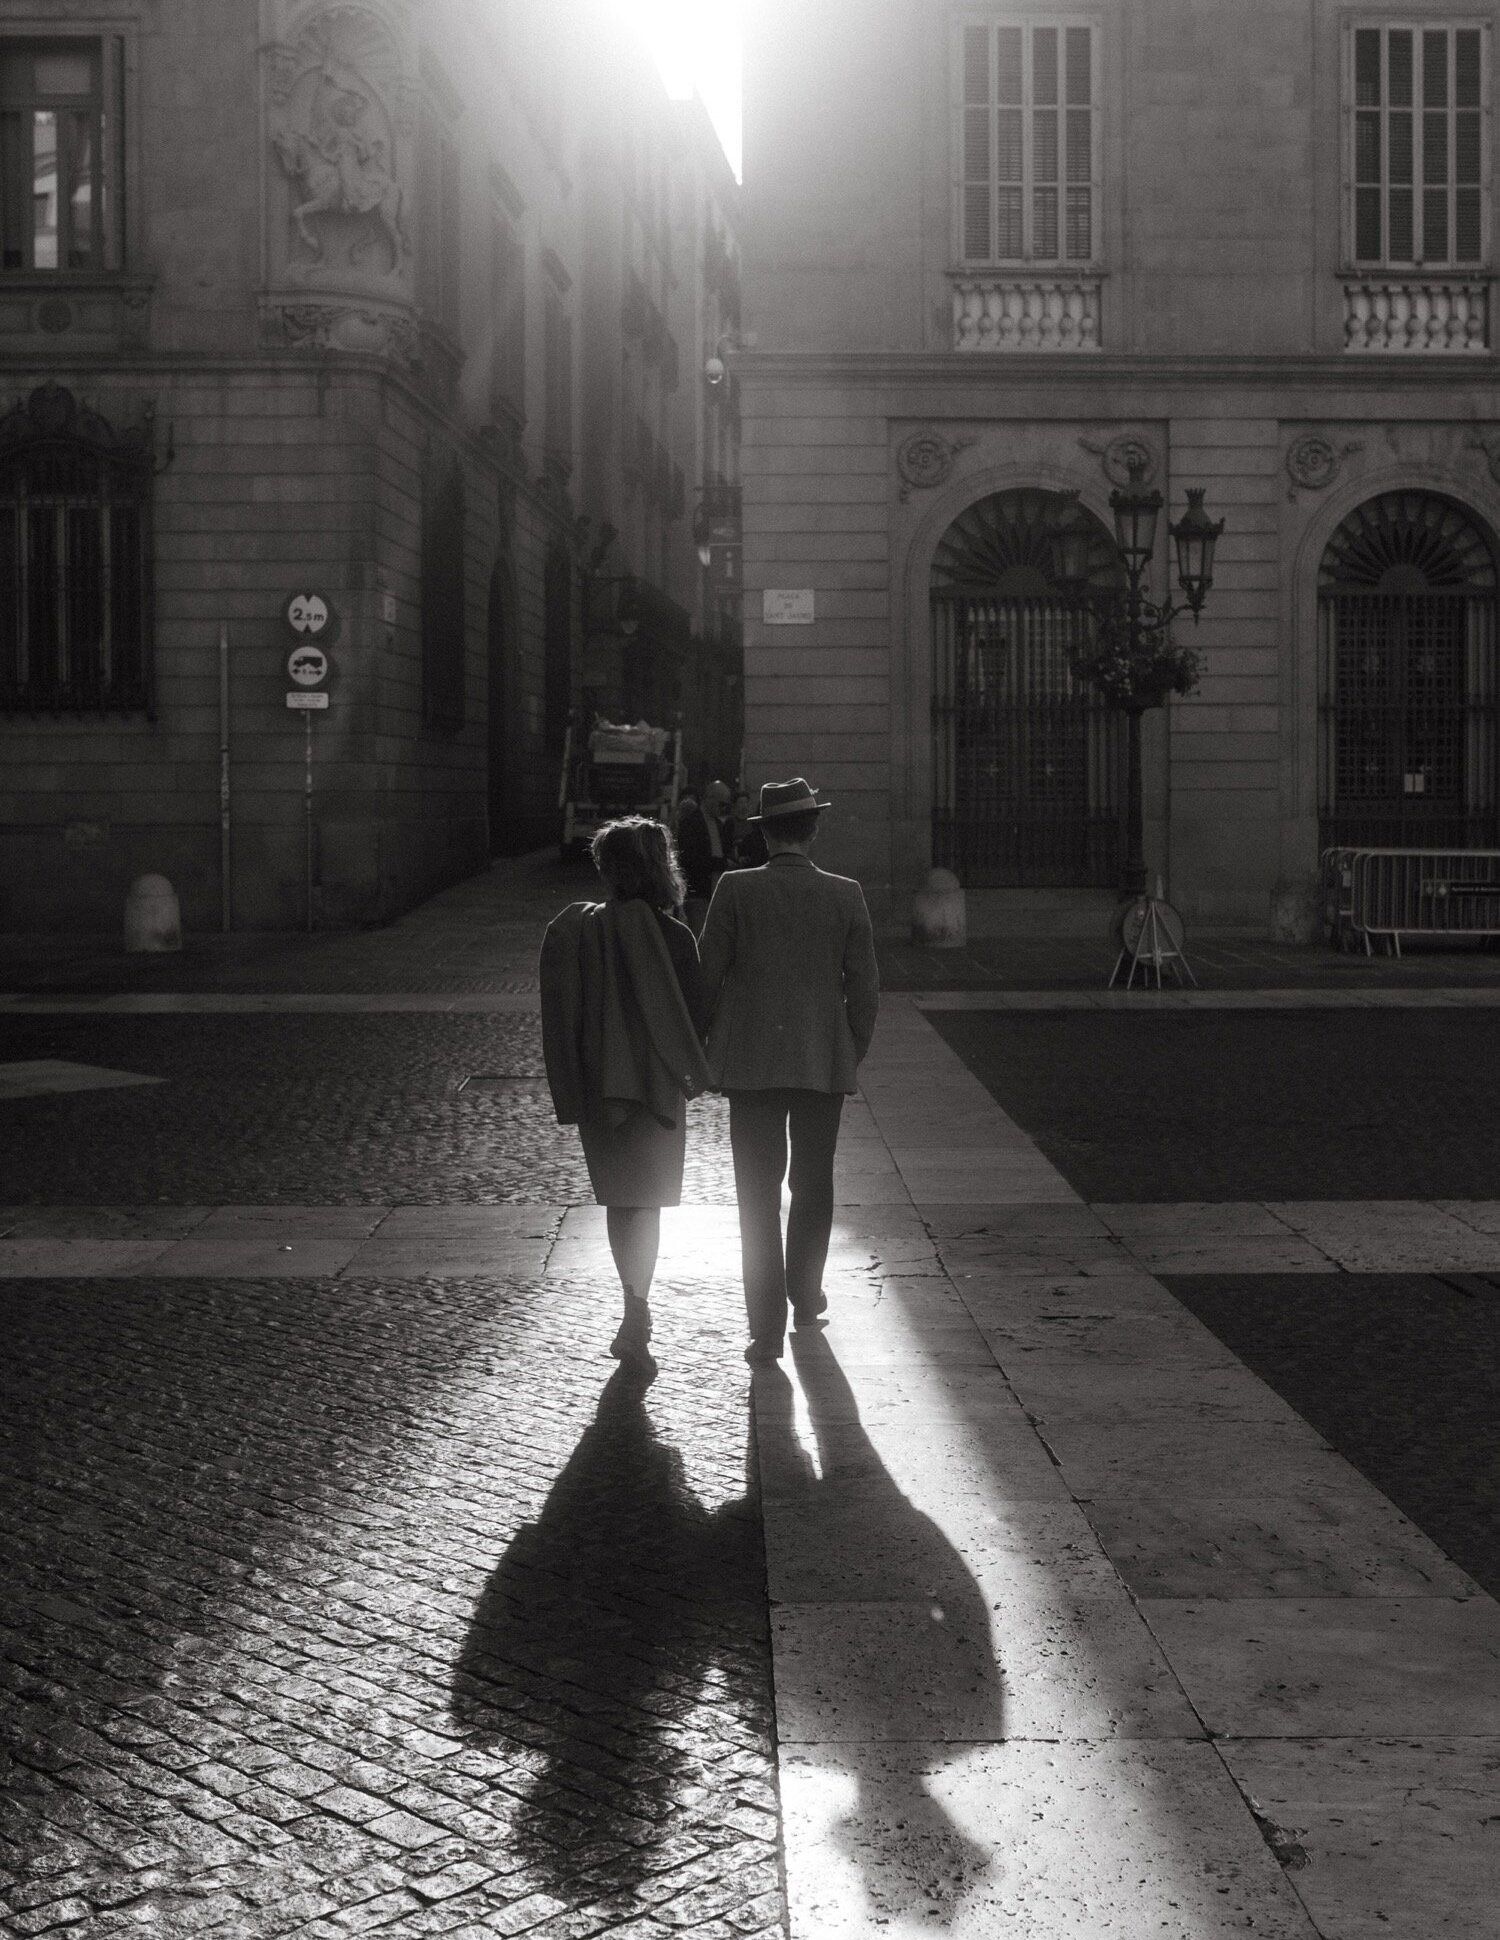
x: 75, y: 561
x: 1027, y: 760
x: 1407, y: 754
x: 444, y: 601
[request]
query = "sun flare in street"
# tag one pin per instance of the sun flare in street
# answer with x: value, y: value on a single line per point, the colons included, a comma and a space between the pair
x: 696, y: 44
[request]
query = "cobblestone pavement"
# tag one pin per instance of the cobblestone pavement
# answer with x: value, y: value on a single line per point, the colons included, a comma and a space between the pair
x: 380, y: 1607
x: 1178, y: 1106
x: 307, y: 1110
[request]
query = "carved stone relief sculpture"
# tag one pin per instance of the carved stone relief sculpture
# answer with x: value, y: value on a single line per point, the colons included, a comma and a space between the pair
x: 1313, y: 462
x: 1121, y: 454
x: 925, y: 460
x: 334, y: 98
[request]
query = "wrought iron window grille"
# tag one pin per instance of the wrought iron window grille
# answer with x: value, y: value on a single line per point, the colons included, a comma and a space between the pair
x: 75, y: 560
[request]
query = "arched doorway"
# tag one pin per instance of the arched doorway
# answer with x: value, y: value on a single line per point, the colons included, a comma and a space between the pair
x: 1406, y: 678
x: 506, y: 727
x: 1028, y: 765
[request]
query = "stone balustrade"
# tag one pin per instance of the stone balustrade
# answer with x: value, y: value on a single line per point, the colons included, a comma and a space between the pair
x: 1446, y: 315
x: 1010, y: 312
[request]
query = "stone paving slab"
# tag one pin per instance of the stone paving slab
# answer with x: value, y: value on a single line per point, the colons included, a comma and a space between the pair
x: 995, y: 1250
x: 1336, y: 1667
x: 47, y: 1077
x: 1268, y: 1542
x: 1359, y: 1820
x: 1096, y: 1842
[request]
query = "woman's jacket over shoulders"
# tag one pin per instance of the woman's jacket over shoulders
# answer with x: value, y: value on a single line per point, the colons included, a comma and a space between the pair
x: 616, y: 1031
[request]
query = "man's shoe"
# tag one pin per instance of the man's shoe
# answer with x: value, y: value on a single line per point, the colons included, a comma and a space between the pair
x: 763, y: 1353
x: 809, y: 1313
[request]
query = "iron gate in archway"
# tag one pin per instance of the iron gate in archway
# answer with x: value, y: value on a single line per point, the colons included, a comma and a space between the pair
x: 1028, y: 761
x: 1407, y: 700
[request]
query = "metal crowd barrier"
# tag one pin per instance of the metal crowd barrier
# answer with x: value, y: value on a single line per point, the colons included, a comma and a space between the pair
x: 1391, y: 893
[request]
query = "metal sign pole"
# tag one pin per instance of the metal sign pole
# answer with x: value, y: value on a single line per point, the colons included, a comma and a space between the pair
x: 307, y: 818
x: 310, y: 618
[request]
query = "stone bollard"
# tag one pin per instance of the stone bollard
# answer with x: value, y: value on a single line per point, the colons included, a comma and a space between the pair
x: 939, y: 914
x: 152, y: 920
x: 1296, y: 910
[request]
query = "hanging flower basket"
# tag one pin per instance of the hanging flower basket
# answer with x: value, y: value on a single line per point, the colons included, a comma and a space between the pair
x: 1139, y: 673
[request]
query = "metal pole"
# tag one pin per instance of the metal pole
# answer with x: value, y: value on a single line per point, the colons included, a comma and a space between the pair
x: 226, y: 894
x: 307, y: 816
x: 1133, y: 881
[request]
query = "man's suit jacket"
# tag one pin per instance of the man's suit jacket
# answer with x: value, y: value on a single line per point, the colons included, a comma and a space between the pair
x: 789, y: 965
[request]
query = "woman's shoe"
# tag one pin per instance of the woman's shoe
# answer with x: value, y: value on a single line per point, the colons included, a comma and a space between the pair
x: 632, y: 1343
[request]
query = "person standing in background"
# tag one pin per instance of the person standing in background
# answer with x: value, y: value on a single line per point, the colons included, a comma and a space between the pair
x: 705, y: 844
x: 750, y: 850
x: 790, y: 979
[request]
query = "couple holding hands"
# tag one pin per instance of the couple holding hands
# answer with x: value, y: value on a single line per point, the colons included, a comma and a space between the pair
x: 775, y: 1007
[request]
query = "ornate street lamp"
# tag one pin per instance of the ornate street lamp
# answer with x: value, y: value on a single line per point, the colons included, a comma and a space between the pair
x: 1135, y: 513
x: 1195, y: 536
x: 1131, y: 657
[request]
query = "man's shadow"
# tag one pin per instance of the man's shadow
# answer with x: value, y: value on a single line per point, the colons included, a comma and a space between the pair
x: 939, y: 1682
x: 620, y: 1632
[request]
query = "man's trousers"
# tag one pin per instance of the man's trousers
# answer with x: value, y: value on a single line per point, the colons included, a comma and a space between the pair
x: 760, y: 1123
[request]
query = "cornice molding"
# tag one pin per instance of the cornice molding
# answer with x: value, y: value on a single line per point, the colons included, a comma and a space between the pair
x: 1030, y: 371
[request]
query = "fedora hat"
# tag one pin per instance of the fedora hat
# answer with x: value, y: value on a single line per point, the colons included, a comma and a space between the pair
x: 778, y: 798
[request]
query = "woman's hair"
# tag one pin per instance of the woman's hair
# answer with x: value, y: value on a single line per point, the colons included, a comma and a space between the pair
x: 636, y: 857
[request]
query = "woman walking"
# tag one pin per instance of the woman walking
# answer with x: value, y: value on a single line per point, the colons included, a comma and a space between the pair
x: 623, y: 1016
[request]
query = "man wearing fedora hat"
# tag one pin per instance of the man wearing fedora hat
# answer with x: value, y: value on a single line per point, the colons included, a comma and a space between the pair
x: 789, y: 972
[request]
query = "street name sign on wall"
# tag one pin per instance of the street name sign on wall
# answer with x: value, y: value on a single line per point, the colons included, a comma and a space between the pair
x: 787, y: 606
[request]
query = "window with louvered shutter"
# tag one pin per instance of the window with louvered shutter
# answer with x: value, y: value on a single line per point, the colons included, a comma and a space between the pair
x: 1417, y: 106
x: 1026, y: 139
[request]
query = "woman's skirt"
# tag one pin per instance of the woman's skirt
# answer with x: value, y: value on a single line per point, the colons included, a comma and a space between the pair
x: 638, y: 1163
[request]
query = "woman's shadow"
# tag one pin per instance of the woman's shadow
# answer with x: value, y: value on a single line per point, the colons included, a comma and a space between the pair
x: 617, y: 1650
x: 924, y: 1668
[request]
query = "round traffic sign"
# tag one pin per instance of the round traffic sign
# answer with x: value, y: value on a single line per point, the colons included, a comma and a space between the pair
x: 308, y: 615
x: 307, y: 665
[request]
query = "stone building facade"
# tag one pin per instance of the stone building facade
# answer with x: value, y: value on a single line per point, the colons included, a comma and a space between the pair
x: 305, y: 296
x: 996, y: 251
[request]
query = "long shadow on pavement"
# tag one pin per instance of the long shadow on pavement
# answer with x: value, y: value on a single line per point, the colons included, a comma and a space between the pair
x: 914, y: 1859
x: 612, y: 1625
